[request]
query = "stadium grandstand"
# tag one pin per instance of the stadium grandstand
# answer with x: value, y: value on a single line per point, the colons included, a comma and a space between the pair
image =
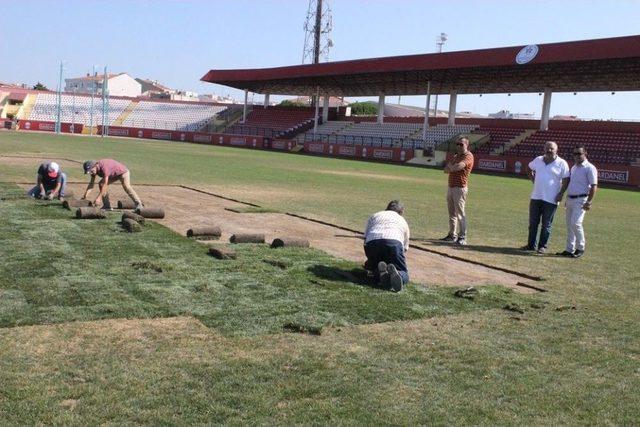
x: 402, y: 134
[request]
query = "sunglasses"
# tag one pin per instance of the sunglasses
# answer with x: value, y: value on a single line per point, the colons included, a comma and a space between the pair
x: 459, y: 143
x: 578, y: 154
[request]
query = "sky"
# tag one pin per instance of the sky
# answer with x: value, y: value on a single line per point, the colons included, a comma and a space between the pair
x: 177, y: 42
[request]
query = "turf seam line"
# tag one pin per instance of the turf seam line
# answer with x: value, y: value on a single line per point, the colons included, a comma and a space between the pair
x: 219, y: 196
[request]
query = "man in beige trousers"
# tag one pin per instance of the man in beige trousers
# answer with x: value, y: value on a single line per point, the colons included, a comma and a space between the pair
x: 458, y: 168
x: 109, y: 170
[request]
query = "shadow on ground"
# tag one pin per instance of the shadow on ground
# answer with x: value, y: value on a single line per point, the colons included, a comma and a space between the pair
x: 357, y: 276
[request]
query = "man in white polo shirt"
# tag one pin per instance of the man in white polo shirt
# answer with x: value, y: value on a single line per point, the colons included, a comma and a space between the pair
x: 550, y: 176
x: 582, y: 188
x: 386, y: 239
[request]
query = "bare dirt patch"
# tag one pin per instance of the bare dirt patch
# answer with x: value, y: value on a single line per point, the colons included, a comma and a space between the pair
x: 188, y: 208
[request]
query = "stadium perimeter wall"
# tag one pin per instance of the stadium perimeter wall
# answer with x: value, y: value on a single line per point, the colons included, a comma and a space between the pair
x: 513, y: 165
x: 617, y: 174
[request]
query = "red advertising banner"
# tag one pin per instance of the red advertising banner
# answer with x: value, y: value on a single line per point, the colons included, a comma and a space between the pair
x: 283, y: 144
x: 183, y: 136
x: 375, y: 153
x: 38, y: 125
x: 607, y: 172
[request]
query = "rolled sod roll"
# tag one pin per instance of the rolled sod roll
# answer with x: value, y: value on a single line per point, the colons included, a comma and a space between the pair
x: 289, y: 242
x: 90, y: 213
x: 131, y: 226
x: 204, y: 232
x: 222, y: 252
x: 247, y: 238
x: 151, y: 212
x: 134, y: 216
x: 126, y: 204
x: 73, y: 203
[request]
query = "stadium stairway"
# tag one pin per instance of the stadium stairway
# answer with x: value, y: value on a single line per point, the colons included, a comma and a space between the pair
x: 513, y: 142
x: 127, y: 111
x: 28, y: 104
x: 219, y: 126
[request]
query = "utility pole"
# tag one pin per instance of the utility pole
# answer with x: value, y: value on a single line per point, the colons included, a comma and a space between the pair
x: 317, y: 32
x: 105, y: 103
x: 58, y: 126
x: 93, y: 92
x: 439, y: 42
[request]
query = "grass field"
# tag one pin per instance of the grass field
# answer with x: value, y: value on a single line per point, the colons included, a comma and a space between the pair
x: 205, y: 341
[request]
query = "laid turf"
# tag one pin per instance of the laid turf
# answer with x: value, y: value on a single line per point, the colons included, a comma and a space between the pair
x: 571, y: 359
x: 92, y: 269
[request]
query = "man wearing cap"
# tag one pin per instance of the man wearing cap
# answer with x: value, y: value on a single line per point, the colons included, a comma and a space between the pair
x: 386, y: 239
x: 583, y: 184
x: 51, y: 182
x: 109, y: 170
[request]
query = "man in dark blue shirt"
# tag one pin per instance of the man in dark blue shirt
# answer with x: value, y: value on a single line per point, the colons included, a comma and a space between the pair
x: 51, y: 182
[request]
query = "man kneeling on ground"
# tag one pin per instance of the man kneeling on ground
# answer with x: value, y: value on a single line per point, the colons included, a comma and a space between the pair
x: 386, y: 239
x: 51, y: 182
x: 109, y: 170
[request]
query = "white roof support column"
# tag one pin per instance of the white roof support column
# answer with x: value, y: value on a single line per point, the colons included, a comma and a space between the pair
x: 315, y: 116
x: 453, y: 99
x: 244, y: 109
x: 266, y: 100
x: 426, y: 113
x: 325, y: 108
x: 546, y: 109
x: 381, y: 109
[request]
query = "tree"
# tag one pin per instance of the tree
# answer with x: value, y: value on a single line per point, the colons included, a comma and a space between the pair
x: 290, y: 103
x: 363, y: 108
x: 40, y: 86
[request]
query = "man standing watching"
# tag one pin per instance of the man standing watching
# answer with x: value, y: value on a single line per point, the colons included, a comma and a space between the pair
x: 583, y: 184
x: 51, y: 182
x: 386, y: 239
x: 109, y: 170
x: 550, y: 176
x: 458, y: 169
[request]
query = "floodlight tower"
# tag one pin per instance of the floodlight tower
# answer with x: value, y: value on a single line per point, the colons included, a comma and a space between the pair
x: 439, y: 43
x: 317, y: 32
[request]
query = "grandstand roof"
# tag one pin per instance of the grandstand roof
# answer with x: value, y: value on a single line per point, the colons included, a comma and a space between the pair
x: 611, y: 64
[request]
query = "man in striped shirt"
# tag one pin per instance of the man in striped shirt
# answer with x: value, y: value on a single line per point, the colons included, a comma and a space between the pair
x: 386, y: 239
x: 458, y: 168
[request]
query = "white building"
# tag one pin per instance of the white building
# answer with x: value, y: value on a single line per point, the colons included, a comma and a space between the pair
x: 118, y: 85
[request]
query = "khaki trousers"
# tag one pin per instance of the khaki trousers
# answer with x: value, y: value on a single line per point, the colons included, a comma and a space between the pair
x: 456, y: 200
x: 125, y: 180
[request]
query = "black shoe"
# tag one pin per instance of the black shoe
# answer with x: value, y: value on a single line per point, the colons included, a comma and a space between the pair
x: 448, y: 238
x: 383, y: 273
x: 577, y: 254
x: 395, y: 280
x: 564, y: 253
x: 461, y: 241
x: 527, y: 248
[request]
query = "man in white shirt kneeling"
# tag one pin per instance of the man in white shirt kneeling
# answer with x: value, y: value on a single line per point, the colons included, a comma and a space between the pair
x: 386, y: 239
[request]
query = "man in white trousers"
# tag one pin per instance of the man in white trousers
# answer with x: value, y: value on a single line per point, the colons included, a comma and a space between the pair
x: 583, y: 184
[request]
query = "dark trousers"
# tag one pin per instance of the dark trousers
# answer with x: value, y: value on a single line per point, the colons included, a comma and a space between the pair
x: 389, y: 251
x: 540, y: 211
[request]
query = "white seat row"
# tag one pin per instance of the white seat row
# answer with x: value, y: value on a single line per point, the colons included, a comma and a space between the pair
x: 171, y: 116
x: 75, y: 109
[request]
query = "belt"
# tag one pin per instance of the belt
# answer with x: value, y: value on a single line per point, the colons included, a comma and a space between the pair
x: 577, y: 196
